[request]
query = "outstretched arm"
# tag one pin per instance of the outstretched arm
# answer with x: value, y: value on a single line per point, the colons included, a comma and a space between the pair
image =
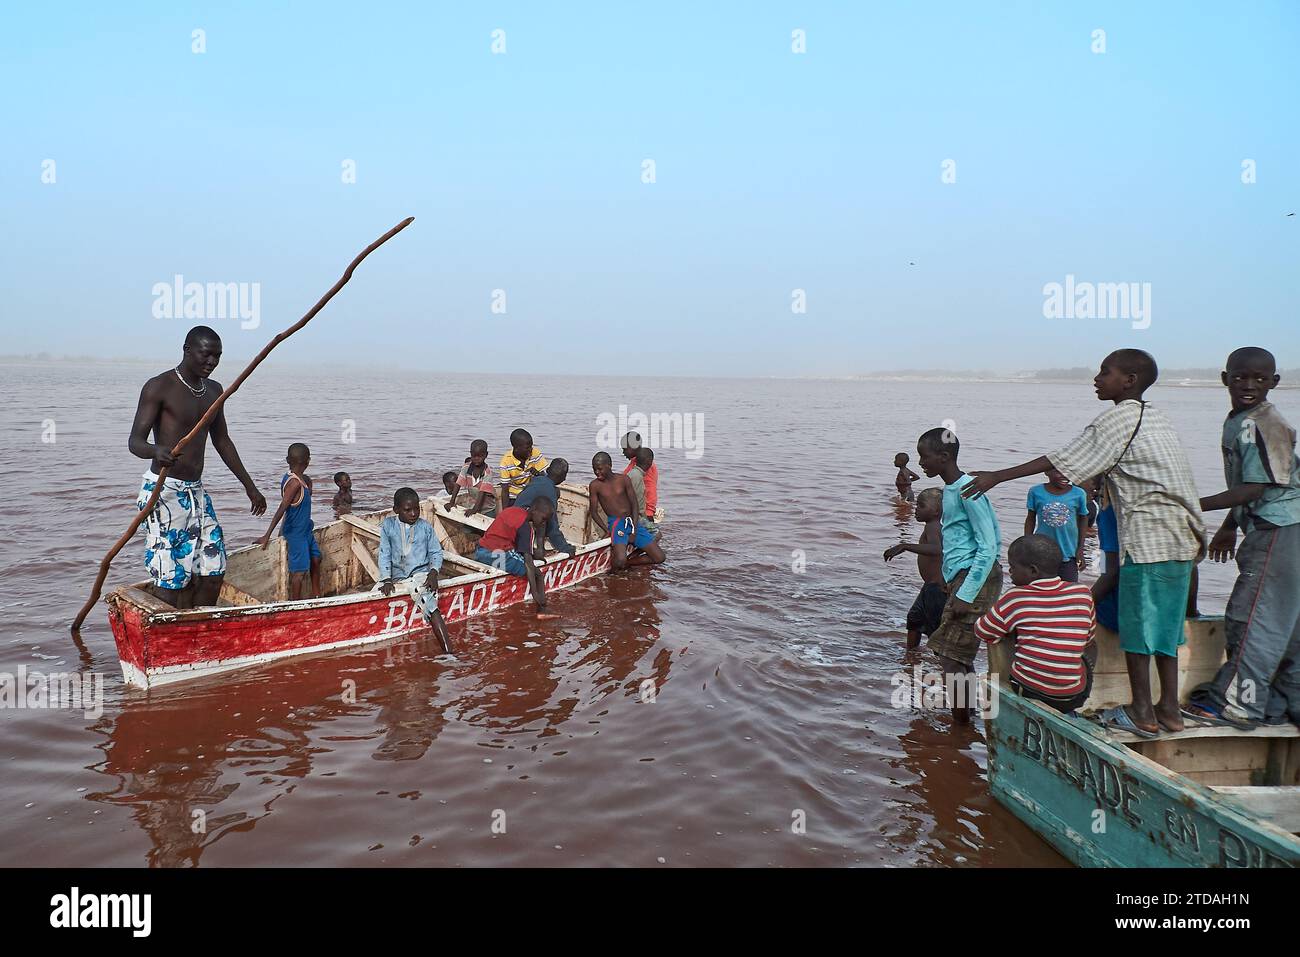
x: 986, y: 481
x: 225, y: 447
x: 916, y: 548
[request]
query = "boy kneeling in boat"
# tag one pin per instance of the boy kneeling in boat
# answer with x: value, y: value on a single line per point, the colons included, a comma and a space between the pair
x: 1052, y: 622
x: 410, y: 557
x: 508, y: 545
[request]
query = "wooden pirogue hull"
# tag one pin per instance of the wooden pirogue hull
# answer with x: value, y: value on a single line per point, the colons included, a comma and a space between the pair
x: 158, y: 644
x: 1205, y: 797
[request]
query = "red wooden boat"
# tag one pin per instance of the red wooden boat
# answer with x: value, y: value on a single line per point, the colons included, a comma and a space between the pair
x: 254, y: 623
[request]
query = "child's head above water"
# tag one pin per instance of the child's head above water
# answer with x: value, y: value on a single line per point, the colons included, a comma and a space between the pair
x: 406, y: 503
x: 900, y: 460
x: 478, y: 451
x: 929, y: 505
x: 449, y: 482
x: 343, y: 480
x: 936, y: 448
x: 298, y: 457
x: 1249, y: 374
x: 1033, y: 558
x: 521, y: 443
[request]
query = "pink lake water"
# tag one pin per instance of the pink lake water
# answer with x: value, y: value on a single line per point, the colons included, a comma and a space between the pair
x: 774, y: 685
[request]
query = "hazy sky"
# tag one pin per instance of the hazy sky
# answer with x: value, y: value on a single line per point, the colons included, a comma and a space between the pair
x: 774, y: 171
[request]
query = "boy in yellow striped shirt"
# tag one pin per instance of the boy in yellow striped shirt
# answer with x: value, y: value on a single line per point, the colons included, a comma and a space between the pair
x: 518, y: 466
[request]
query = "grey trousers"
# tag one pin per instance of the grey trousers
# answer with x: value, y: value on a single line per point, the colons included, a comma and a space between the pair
x: 1261, y: 678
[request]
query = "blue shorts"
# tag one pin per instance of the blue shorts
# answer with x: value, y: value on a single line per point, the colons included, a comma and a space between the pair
x: 621, y: 531
x: 510, y: 562
x: 301, y: 550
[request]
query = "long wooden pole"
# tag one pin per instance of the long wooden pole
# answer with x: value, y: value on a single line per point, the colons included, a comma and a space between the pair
x: 215, y: 408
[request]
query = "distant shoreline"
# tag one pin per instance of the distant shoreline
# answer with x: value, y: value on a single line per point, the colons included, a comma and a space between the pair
x: 1183, y: 378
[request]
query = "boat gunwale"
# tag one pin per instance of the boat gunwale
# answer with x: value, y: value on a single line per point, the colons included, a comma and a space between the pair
x: 1174, y: 785
x: 157, y: 612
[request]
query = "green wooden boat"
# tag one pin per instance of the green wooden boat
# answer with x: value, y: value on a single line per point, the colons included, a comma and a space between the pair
x: 1203, y: 797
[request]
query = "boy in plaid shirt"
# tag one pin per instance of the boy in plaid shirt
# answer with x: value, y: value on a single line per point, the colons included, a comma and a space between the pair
x: 1161, y: 532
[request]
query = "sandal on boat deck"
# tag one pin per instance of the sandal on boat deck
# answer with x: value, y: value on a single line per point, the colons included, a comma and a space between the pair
x: 1119, y: 719
x: 1204, y: 715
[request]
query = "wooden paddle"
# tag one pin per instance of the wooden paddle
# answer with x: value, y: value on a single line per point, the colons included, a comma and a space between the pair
x: 214, y: 409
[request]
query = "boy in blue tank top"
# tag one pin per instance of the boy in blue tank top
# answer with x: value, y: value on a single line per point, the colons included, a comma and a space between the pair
x: 302, y: 552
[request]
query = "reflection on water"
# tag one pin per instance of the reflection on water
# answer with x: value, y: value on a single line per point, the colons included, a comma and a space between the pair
x: 775, y: 618
x: 195, y: 766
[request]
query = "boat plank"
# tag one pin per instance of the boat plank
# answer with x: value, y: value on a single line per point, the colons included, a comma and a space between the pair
x: 363, y: 556
x: 361, y: 525
x: 1212, y: 731
x: 1279, y: 805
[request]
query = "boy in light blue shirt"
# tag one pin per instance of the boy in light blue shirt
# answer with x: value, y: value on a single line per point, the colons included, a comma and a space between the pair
x: 972, y: 543
x: 410, y: 557
x: 1059, y: 510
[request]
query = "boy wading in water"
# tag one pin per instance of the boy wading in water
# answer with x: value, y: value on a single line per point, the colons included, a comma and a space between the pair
x: 1261, y: 679
x: 342, y: 501
x: 1161, y: 533
x: 972, y: 575
x: 185, y: 551
x: 302, y: 554
x: 903, y: 481
x: 926, y: 612
x: 616, y: 497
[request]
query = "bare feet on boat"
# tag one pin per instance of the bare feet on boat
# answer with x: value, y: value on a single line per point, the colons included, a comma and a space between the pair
x: 1169, y: 722
x: 1146, y: 721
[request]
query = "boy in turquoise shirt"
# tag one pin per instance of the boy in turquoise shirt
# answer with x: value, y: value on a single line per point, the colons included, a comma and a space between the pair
x: 971, y: 573
x: 1261, y: 679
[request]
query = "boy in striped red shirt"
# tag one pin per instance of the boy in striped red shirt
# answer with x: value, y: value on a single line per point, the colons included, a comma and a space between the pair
x: 1052, y: 623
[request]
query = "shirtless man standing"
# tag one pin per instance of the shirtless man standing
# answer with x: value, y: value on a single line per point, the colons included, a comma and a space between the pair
x: 184, y: 548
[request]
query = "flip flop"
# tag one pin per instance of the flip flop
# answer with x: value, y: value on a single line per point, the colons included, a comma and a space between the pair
x: 1204, y: 715
x: 1119, y: 719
